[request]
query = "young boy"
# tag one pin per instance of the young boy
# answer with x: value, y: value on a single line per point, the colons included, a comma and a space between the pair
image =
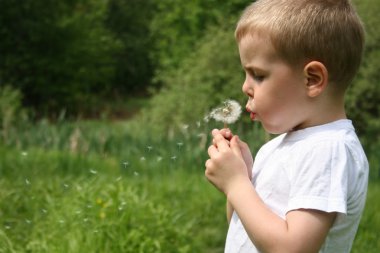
x: 307, y: 187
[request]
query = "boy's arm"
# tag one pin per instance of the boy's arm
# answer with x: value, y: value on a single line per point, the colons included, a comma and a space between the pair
x: 301, y: 231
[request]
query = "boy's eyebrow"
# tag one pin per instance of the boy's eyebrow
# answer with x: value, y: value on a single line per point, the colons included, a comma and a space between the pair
x: 252, y: 67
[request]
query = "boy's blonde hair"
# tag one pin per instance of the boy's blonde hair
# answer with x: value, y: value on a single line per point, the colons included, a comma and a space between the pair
x: 329, y: 31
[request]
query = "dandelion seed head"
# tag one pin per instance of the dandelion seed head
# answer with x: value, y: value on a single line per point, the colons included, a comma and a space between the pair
x: 228, y: 113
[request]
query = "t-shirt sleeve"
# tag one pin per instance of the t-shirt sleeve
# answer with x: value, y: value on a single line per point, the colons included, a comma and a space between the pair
x: 319, y: 177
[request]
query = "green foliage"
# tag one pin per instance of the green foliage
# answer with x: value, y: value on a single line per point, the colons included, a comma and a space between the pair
x: 204, y: 79
x: 177, y: 27
x: 129, y: 21
x: 57, y: 54
x: 364, y: 94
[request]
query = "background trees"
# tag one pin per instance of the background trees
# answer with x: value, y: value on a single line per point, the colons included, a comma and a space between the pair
x: 82, y: 56
x: 57, y: 53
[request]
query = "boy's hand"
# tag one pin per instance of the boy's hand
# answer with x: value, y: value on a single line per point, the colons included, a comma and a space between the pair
x: 226, y: 166
x: 245, y: 151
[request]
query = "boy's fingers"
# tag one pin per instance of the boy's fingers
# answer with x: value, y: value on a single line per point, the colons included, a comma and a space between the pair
x: 235, y: 145
x: 212, y: 150
x: 214, y: 132
x: 220, y: 142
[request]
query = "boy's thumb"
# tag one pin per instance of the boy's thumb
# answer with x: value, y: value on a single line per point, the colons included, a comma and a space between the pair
x: 234, y: 144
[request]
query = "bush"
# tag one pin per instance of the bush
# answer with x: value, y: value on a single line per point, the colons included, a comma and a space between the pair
x: 11, y: 112
x: 204, y: 79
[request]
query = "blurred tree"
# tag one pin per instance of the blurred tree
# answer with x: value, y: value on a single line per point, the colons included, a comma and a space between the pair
x: 178, y: 26
x: 57, y: 53
x: 364, y: 94
x: 129, y: 21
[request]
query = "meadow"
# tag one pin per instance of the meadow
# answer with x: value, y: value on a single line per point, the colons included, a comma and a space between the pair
x: 100, y: 186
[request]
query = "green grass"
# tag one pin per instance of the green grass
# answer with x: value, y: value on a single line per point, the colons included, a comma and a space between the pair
x: 110, y: 187
x: 367, y: 238
x: 103, y: 209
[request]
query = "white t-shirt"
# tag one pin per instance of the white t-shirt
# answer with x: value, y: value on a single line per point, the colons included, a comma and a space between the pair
x: 323, y: 168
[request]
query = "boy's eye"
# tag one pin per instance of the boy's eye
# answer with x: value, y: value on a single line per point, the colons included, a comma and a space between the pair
x: 258, y: 78
x: 255, y: 76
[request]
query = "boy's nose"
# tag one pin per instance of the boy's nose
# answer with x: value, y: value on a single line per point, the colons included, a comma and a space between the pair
x: 247, y: 89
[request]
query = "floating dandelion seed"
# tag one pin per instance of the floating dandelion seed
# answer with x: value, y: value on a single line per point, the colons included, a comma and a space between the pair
x: 135, y: 173
x: 228, y: 113
x: 149, y: 148
x: 93, y: 172
x: 159, y: 159
x: 118, y: 179
x: 27, y: 182
x: 126, y: 164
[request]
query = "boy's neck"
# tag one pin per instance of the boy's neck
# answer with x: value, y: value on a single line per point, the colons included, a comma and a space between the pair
x: 324, y: 111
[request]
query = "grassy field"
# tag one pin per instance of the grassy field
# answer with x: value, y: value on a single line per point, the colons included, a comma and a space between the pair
x: 106, y: 187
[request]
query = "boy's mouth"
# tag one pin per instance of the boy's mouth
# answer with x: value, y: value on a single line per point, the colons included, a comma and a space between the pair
x: 249, y: 108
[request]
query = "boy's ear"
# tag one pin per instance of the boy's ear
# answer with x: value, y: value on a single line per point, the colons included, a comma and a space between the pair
x: 316, y: 76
